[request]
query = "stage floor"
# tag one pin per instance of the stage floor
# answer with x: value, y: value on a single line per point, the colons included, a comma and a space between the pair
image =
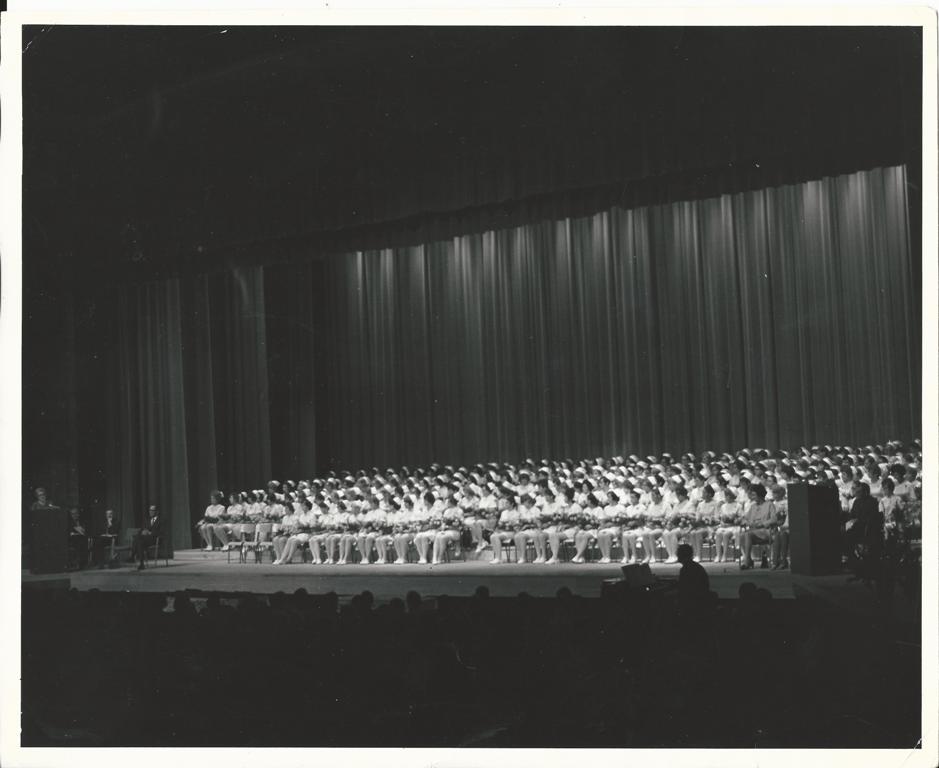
x: 211, y: 571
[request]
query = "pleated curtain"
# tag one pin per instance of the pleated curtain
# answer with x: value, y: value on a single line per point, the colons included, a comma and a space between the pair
x: 773, y: 318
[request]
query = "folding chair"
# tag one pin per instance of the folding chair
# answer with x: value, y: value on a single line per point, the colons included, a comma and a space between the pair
x: 263, y: 542
x: 154, y: 548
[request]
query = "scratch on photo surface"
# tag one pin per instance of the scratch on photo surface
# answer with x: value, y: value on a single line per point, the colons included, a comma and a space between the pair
x: 918, y: 745
x: 43, y: 31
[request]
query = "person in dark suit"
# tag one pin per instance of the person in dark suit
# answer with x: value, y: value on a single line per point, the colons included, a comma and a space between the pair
x: 78, y: 538
x: 694, y: 592
x: 106, y: 537
x: 147, y: 536
x: 693, y: 583
x: 866, y: 535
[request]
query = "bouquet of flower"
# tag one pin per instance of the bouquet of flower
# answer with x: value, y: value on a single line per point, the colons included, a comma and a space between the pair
x: 583, y: 520
x: 224, y: 518
x: 237, y: 516
x: 730, y: 518
x: 632, y: 523
x: 702, y: 522
x: 254, y: 516
x: 351, y: 526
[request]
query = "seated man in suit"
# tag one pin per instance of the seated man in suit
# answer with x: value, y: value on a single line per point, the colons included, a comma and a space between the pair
x: 78, y: 537
x: 106, y: 537
x: 147, y: 536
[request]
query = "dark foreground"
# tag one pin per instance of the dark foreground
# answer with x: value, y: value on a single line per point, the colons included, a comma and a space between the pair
x: 112, y: 669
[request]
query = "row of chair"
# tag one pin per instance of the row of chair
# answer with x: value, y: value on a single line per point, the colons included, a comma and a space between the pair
x: 256, y: 539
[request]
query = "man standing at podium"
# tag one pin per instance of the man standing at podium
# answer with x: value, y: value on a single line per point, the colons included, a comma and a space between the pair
x: 45, y: 540
x: 42, y: 501
x: 866, y: 537
x: 147, y: 536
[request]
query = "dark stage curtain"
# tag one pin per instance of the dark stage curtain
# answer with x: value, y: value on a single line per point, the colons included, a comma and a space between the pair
x: 769, y: 318
x: 772, y: 318
x: 147, y: 445
x: 189, y: 406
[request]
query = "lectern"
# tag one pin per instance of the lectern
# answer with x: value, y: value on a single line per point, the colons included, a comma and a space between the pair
x: 814, y: 529
x: 48, y: 540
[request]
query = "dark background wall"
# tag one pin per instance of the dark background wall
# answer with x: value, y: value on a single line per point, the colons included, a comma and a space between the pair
x: 158, y: 152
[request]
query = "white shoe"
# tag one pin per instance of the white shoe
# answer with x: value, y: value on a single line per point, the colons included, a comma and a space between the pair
x: 422, y: 561
x: 364, y: 561
x: 672, y: 560
x: 480, y: 548
x: 604, y: 561
x: 553, y: 561
x: 696, y: 559
x: 380, y: 561
x: 400, y: 561
x: 208, y: 549
x: 435, y: 561
x: 340, y: 561
x: 330, y: 561
x: 578, y: 560
x: 539, y: 560
x: 496, y: 561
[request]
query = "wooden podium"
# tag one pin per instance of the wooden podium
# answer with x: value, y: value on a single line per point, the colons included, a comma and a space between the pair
x: 814, y: 529
x: 48, y: 538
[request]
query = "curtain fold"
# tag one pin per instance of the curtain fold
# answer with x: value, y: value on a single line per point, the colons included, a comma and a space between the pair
x: 773, y: 318
x: 148, y: 446
x: 189, y: 397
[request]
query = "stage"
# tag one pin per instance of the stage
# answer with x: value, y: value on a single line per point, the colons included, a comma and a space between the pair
x: 211, y: 572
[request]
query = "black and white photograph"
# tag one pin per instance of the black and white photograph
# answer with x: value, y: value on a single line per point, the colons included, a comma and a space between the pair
x: 475, y: 385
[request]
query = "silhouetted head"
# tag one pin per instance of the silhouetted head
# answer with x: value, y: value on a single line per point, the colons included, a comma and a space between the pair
x: 747, y: 590
x: 685, y: 553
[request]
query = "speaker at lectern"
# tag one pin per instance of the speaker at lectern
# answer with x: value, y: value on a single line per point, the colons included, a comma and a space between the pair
x: 48, y: 539
x: 814, y: 529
